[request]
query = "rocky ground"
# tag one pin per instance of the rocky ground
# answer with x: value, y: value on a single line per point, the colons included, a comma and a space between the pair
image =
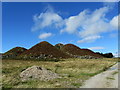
x: 37, y: 72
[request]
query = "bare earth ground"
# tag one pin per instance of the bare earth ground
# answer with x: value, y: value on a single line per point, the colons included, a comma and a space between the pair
x: 107, y: 79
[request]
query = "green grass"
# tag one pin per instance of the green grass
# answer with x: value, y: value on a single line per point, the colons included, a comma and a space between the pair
x: 88, y: 74
x: 76, y: 84
x: 114, y: 72
x: 111, y: 78
x: 73, y: 72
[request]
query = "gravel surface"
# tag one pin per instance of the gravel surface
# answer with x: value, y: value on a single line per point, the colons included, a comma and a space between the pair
x: 107, y: 79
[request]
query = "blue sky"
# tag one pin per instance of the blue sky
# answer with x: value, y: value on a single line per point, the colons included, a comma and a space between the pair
x: 86, y: 24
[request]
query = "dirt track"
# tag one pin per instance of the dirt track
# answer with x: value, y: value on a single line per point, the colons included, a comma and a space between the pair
x: 107, y: 79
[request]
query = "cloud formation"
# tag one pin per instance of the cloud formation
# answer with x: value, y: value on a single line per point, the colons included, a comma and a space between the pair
x: 114, y: 22
x: 85, y: 21
x: 117, y: 54
x: 96, y: 48
x: 46, y: 19
x: 73, y: 23
x: 88, y: 25
x: 89, y: 39
x: 45, y: 35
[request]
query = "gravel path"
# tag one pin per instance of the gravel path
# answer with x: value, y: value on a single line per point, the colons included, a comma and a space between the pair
x: 107, y: 79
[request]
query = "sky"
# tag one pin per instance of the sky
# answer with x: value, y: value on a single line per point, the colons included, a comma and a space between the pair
x: 92, y: 25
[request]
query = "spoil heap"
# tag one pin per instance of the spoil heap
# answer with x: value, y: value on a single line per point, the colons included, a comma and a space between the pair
x: 43, y: 50
x: 39, y: 73
x: 13, y: 53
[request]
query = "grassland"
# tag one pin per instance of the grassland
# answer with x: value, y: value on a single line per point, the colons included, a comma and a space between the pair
x: 73, y: 72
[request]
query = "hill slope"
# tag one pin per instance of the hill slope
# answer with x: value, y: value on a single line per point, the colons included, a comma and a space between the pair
x: 74, y: 50
x: 90, y: 52
x: 59, y: 45
x: 44, y: 50
x: 14, y: 52
x: 71, y: 49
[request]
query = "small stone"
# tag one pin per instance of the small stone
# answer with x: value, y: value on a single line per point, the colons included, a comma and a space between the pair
x: 57, y: 84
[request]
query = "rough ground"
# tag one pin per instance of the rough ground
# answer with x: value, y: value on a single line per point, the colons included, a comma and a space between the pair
x: 107, y: 79
x: 36, y: 72
x: 72, y: 72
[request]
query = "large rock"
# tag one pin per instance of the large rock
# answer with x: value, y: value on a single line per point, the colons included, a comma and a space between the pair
x: 39, y: 73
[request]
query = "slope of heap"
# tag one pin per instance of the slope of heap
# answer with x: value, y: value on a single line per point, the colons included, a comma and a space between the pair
x: 59, y: 45
x: 73, y: 50
x: 14, y: 52
x: 43, y: 50
x: 90, y: 52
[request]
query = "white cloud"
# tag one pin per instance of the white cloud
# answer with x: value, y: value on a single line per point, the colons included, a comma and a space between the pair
x: 45, y: 35
x: 89, y: 39
x: 114, y: 22
x: 46, y: 19
x: 116, y: 54
x: 94, y: 29
x: 88, y: 25
x: 73, y: 22
x: 96, y: 48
